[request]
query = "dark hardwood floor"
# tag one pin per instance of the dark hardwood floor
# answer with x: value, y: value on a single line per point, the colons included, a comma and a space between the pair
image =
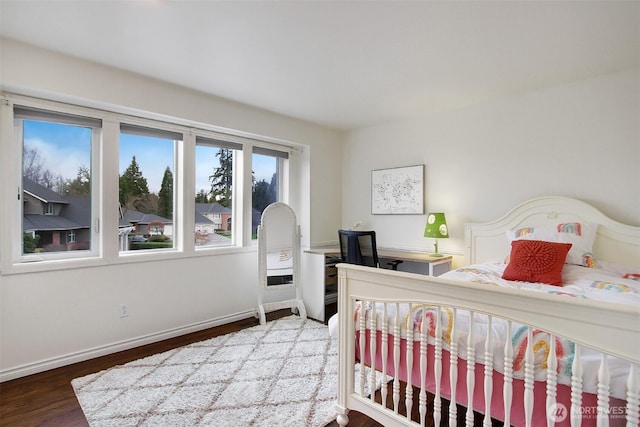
x: 47, y: 398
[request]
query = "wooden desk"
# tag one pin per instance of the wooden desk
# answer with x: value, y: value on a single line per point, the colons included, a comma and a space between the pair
x: 319, y: 283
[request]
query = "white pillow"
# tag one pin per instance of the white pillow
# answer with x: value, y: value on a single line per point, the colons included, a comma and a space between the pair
x: 620, y: 270
x: 580, y: 235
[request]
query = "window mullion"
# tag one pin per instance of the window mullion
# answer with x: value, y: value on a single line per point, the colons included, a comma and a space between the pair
x: 96, y: 185
x: 184, y: 219
x: 108, y: 195
x: 247, y: 202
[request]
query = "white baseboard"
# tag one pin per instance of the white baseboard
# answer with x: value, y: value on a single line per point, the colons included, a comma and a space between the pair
x: 56, y: 362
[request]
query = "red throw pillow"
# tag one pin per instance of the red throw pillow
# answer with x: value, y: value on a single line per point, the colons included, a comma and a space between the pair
x: 536, y: 261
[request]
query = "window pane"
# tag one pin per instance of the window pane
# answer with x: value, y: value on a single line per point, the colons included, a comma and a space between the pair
x: 56, y: 183
x: 266, y: 183
x: 214, y: 195
x: 146, y: 188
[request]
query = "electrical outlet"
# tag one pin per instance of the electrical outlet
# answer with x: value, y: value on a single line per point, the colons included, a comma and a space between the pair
x: 124, y: 311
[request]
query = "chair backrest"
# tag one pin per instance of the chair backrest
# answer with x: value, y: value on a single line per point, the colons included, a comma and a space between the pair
x: 358, y: 247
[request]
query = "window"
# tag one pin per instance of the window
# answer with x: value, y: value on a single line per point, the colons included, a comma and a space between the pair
x: 75, y: 164
x: 269, y: 168
x: 147, y: 162
x: 214, y: 192
x: 58, y: 154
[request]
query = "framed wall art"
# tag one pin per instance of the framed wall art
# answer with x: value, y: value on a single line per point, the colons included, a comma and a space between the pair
x: 397, y: 191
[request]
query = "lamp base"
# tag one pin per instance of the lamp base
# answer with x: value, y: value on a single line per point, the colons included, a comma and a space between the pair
x: 436, y: 254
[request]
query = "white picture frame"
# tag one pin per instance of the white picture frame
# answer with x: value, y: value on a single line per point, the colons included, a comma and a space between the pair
x: 398, y: 191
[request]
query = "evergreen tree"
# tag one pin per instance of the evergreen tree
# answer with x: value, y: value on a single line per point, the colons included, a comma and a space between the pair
x: 132, y: 184
x: 201, y: 197
x: 221, y: 180
x: 165, y: 195
x: 261, y: 196
x: 273, y: 188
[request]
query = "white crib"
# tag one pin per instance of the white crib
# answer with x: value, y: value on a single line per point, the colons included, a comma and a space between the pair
x: 452, y: 361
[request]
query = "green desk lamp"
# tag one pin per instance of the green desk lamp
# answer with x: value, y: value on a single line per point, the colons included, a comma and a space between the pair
x: 436, y: 228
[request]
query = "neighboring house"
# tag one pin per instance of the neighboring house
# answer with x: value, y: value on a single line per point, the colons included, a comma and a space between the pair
x: 140, y: 221
x: 63, y: 223
x: 125, y: 229
x: 211, y: 217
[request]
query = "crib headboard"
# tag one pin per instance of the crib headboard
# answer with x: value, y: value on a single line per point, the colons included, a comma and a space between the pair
x: 615, y: 242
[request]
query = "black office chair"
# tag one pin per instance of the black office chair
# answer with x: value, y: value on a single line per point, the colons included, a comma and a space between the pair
x: 359, y: 247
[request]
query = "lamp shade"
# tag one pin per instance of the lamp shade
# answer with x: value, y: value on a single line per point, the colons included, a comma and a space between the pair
x: 436, y: 226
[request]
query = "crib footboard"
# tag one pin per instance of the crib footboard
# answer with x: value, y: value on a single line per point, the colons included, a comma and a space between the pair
x: 458, y: 353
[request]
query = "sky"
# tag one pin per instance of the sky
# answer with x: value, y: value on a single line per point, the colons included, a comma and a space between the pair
x: 64, y: 148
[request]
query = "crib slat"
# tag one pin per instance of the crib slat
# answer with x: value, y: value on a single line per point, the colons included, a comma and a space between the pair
x: 633, y: 397
x: 453, y: 369
x: 604, y: 381
x: 576, y: 387
x: 396, y: 359
x: 507, y: 388
x: 488, y: 373
x: 363, y: 341
x: 424, y: 330
x: 528, y: 378
x: 437, y: 369
x: 552, y: 366
x: 373, y: 323
x: 408, y: 394
x: 385, y: 351
x: 471, y: 360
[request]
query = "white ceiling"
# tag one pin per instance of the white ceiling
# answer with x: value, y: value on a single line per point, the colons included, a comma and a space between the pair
x: 343, y: 64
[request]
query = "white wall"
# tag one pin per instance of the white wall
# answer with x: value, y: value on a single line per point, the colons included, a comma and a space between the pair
x: 52, y: 318
x: 579, y: 140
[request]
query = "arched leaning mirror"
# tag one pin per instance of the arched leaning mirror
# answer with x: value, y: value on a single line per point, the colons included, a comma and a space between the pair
x: 278, y: 261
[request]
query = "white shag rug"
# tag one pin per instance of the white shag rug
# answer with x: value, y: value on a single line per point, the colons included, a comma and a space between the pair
x: 283, y: 373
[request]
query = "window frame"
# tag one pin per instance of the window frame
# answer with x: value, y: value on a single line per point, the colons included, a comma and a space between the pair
x: 62, y: 115
x: 134, y: 126
x: 283, y: 156
x: 105, y: 179
x: 214, y: 140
